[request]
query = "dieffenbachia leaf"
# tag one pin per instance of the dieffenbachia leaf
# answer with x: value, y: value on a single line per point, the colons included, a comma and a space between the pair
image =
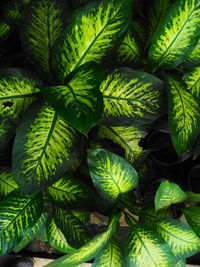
x: 111, y: 255
x: 192, y: 215
x: 92, y: 35
x: 17, y: 91
x: 7, y: 128
x: 184, y: 115
x: 193, y: 197
x: 12, y: 13
x: 5, y: 30
x: 167, y: 194
x: 72, y: 227
x: 44, y: 148
x: 89, y: 250
x: 139, y: 26
x: 18, y: 212
x: 56, y: 238
x: 43, y: 24
x: 131, y: 97
x: 144, y: 247
x: 180, y: 263
x: 32, y: 232
x: 192, y: 80
x: 7, y: 182
x: 180, y: 237
x: 176, y: 37
x: 80, y: 101
x: 193, y: 60
x: 111, y: 174
x: 127, y: 137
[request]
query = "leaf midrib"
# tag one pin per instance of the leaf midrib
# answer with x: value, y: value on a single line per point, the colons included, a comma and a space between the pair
x: 8, y: 183
x: 17, y: 96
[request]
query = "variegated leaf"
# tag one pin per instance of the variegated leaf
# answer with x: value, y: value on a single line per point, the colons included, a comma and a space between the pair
x: 111, y: 255
x: 79, y: 102
x: 144, y: 247
x: 167, y: 194
x: 56, y: 238
x: 192, y: 215
x: 192, y: 80
x: 131, y: 97
x: 127, y: 137
x: 44, y: 148
x: 7, y: 182
x: 5, y: 30
x: 89, y: 250
x: 193, y: 60
x: 139, y: 26
x: 184, y: 115
x: 93, y: 33
x: 7, y: 129
x: 180, y: 263
x: 176, y: 37
x: 193, y: 197
x: 111, y: 174
x: 180, y: 237
x: 18, y: 212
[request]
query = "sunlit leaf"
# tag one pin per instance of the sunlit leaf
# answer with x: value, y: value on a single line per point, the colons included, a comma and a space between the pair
x: 192, y: 215
x: 193, y: 60
x: 7, y: 182
x: 192, y: 80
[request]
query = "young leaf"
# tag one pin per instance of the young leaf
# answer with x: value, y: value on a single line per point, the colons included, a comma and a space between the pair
x: 177, y: 35
x: 93, y: 33
x: 131, y: 97
x: 184, y: 115
x: 18, y: 213
x: 5, y: 30
x: 44, y: 148
x: 56, y: 238
x: 167, y: 194
x: 127, y: 137
x: 192, y: 215
x: 7, y: 182
x: 111, y: 255
x: 192, y: 80
x: 89, y: 250
x: 193, y: 60
x: 7, y: 128
x: 144, y: 247
x: 79, y: 102
x: 180, y: 237
x: 111, y: 174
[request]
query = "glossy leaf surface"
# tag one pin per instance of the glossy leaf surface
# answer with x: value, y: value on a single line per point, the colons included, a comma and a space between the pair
x: 193, y: 60
x: 192, y: 80
x: 7, y: 182
x: 192, y: 215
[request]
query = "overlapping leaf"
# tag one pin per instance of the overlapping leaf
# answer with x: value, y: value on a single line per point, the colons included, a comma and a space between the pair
x: 89, y: 250
x: 139, y: 26
x: 12, y: 13
x: 192, y: 80
x: 7, y: 182
x: 79, y: 102
x: 7, y: 128
x: 177, y: 35
x: 131, y: 97
x: 193, y: 197
x: 93, y: 33
x: 127, y: 137
x: 144, y: 247
x: 184, y: 115
x: 192, y: 215
x: 5, y: 30
x: 111, y: 174
x: 18, y: 213
x: 193, y: 60
x: 44, y: 148
x: 180, y: 263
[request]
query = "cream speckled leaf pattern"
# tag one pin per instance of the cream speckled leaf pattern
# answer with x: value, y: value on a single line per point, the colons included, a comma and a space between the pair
x: 144, y: 247
x: 180, y: 237
x: 184, y: 115
x: 7, y: 128
x: 44, y: 148
x: 167, y: 194
x: 111, y: 255
x: 56, y: 238
x: 192, y: 215
x: 192, y: 80
x: 131, y: 97
x: 89, y: 250
x: 93, y: 33
x: 5, y: 30
x: 18, y: 213
x: 111, y: 174
x: 127, y: 137
x: 193, y: 60
x: 42, y: 26
x: 7, y: 182
x: 177, y: 35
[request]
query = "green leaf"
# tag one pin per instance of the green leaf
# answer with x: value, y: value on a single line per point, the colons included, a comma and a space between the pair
x: 12, y: 13
x: 111, y: 255
x: 7, y: 129
x: 149, y: 215
x: 89, y: 250
x: 5, y: 30
x: 72, y: 227
x: 192, y: 80
x: 18, y: 213
x: 176, y: 37
x: 44, y: 148
x: 32, y: 232
x: 131, y: 97
x: 7, y: 182
x: 56, y: 238
x: 94, y: 32
x: 144, y: 247
x: 43, y: 24
x: 139, y: 26
x: 193, y: 60
x: 192, y: 215
x: 111, y: 174
x: 180, y: 263
x: 127, y: 137
x: 180, y: 237
x: 193, y: 197
x: 79, y: 102
x: 167, y: 194
x: 184, y: 115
